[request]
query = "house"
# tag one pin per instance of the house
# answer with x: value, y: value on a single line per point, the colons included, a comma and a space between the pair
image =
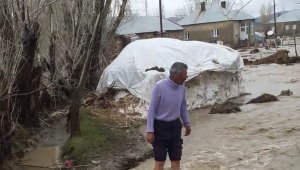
x: 288, y: 23
x: 263, y: 25
x: 149, y: 27
x: 216, y: 24
x: 141, y: 27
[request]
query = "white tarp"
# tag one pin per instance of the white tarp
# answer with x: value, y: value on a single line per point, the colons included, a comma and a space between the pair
x: 127, y: 71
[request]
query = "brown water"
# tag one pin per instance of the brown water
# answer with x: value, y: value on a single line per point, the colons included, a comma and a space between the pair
x: 47, y: 153
x: 41, y: 157
x: 262, y: 137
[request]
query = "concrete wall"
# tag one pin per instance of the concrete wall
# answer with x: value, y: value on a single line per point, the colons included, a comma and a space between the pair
x: 169, y: 34
x: 228, y: 33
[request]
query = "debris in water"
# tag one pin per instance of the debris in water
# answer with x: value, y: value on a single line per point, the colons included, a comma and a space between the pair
x: 242, y: 50
x: 225, y: 108
x: 281, y: 57
x: 254, y: 51
x: 264, y: 98
x: 286, y: 93
x: 295, y: 59
x: 69, y: 163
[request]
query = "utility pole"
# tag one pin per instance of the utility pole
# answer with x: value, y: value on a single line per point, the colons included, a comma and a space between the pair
x: 146, y: 7
x: 275, y: 24
x: 160, y: 17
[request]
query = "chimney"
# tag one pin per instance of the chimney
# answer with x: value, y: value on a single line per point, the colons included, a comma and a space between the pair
x: 202, y: 6
x: 223, y: 4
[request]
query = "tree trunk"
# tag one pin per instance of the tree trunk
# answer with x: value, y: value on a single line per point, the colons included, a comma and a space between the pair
x: 74, y: 114
x: 52, y: 45
x: 52, y: 56
x: 23, y: 83
x: 76, y: 102
x: 5, y: 139
x: 94, y: 70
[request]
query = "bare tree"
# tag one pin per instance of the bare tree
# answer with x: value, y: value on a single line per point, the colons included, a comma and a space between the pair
x: 74, y: 35
x: 20, y: 75
x: 265, y: 14
x: 163, y: 11
x: 181, y: 12
x: 90, y: 35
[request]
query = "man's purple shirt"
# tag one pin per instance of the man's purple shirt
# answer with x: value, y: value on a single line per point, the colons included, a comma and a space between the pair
x: 167, y: 103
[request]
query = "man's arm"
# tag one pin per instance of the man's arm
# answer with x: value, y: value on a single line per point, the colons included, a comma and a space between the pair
x: 185, y: 116
x: 155, y: 98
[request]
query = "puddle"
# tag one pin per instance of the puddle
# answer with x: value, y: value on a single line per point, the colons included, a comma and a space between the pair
x: 41, y: 157
x: 47, y: 152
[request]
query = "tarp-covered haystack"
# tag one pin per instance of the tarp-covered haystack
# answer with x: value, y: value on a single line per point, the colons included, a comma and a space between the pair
x: 213, y: 73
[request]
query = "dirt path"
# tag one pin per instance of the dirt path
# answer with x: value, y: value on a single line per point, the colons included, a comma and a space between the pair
x: 262, y: 136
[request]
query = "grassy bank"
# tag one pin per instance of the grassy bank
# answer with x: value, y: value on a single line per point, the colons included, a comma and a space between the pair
x: 98, y: 138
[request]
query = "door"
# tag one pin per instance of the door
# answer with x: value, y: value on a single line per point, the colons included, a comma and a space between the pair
x: 244, y: 31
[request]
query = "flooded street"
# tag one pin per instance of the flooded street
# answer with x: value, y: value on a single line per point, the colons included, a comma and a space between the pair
x: 263, y: 136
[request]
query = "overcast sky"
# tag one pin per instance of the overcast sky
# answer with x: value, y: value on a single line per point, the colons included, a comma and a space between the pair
x: 171, y: 6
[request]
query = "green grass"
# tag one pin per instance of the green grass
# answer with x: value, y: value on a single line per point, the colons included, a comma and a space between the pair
x: 96, y: 140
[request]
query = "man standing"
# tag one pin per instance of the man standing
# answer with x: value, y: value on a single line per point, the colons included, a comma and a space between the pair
x: 167, y: 106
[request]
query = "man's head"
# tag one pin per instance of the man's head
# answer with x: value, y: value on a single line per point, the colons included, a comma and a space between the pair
x: 178, y: 72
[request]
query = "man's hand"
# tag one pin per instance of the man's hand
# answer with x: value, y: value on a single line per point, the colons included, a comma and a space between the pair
x: 150, y: 137
x: 187, y: 131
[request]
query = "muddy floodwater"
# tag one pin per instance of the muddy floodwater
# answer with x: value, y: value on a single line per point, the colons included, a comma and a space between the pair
x: 47, y: 153
x: 262, y: 136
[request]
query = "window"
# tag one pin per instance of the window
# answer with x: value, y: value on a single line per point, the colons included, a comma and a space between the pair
x: 186, y: 35
x: 215, y: 33
x: 287, y: 27
x: 294, y: 27
x: 245, y: 27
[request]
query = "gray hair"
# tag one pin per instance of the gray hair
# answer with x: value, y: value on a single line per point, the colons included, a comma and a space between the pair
x: 177, y: 68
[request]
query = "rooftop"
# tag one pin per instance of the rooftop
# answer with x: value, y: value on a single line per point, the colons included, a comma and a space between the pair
x: 288, y: 16
x: 145, y: 24
x: 215, y: 13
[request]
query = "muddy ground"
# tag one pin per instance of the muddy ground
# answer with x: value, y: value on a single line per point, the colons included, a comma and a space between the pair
x: 262, y: 136
x: 127, y: 147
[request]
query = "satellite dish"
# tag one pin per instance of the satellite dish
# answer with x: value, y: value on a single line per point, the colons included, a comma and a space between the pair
x: 270, y: 32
